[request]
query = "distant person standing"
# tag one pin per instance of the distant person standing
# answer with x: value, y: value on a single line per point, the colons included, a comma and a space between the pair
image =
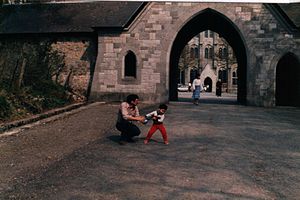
x: 219, y: 88
x: 197, y: 87
x: 128, y: 113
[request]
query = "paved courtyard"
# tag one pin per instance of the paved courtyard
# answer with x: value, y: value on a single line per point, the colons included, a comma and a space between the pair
x: 217, y: 150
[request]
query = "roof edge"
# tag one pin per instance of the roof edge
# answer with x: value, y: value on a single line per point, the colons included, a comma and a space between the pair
x: 135, y: 14
x: 283, y: 18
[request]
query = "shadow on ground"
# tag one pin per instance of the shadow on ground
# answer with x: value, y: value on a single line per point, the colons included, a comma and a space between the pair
x: 216, y: 151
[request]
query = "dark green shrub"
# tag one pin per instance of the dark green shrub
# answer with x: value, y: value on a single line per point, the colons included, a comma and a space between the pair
x: 5, y: 108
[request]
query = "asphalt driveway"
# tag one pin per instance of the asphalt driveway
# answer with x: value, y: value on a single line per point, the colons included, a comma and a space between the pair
x: 216, y: 151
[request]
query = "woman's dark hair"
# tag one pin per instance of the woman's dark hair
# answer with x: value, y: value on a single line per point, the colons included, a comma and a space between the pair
x: 131, y: 97
x: 163, y: 106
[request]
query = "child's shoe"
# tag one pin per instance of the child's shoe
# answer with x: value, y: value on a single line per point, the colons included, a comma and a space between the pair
x: 166, y: 142
x: 146, y: 141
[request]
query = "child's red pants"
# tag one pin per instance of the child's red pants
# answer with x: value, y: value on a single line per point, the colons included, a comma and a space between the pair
x: 161, y: 128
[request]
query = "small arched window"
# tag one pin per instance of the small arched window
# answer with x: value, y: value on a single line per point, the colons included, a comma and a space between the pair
x: 225, y: 53
x: 233, y: 74
x: 221, y: 53
x: 211, y: 52
x: 196, y: 52
x: 130, y: 64
x: 223, y: 75
x: 206, y: 53
x: 192, y: 53
x: 234, y: 78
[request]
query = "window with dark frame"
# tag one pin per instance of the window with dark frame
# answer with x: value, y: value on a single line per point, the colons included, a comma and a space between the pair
x: 130, y: 64
x: 211, y: 52
x: 196, y: 52
x: 221, y: 53
x: 223, y: 75
x: 206, y: 53
x: 192, y: 55
x: 234, y: 78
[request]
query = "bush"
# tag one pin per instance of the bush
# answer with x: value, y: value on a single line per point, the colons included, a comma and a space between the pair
x: 50, y: 94
x: 27, y: 86
x: 5, y: 108
x: 31, y: 100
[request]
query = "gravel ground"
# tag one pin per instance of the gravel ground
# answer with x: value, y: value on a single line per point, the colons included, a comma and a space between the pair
x: 216, y: 151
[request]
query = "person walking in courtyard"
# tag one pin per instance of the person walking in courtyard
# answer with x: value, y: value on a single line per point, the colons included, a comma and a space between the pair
x: 128, y: 113
x: 197, y: 87
x: 219, y: 88
x: 158, y: 117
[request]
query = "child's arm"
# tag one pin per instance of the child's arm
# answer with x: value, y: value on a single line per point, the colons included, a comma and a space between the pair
x: 150, y: 115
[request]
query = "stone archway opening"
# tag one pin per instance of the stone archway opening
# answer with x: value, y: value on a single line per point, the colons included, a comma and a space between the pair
x: 288, y: 81
x: 209, y: 19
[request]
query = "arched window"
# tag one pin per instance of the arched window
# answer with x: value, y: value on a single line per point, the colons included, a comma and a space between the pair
x: 234, y: 78
x: 130, y: 65
x: 221, y: 53
x: 223, y: 75
x: 211, y: 52
x: 206, y: 53
x: 192, y: 53
x: 196, y: 52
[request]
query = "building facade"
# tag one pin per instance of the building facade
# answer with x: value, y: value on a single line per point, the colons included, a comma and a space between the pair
x: 135, y: 47
x: 211, y: 56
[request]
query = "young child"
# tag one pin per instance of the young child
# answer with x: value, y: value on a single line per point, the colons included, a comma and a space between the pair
x: 158, y: 118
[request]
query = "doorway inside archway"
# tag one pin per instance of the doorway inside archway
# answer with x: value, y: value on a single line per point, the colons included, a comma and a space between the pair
x: 209, y: 22
x: 288, y: 81
x: 208, y: 84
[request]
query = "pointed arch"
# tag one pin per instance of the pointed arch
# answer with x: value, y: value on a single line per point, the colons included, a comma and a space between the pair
x: 210, y: 19
x: 130, y: 64
x: 288, y: 81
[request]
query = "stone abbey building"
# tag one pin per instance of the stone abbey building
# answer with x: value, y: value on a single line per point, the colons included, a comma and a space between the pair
x: 111, y: 49
x: 211, y: 56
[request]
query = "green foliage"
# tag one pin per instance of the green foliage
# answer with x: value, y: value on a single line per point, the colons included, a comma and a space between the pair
x: 36, y: 101
x: 37, y: 90
x: 5, y: 109
x: 29, y: 101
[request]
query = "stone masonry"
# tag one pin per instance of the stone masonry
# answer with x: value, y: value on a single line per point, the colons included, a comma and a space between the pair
x: 151, y: 38
x: 76, y: 66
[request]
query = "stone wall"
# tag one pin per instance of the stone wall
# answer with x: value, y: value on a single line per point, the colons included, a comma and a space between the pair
x: 73, y: 59
x: 79, y: 59
x: 151, y: 38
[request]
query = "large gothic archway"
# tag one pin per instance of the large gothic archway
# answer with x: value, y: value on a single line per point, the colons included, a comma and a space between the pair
x: 209, y: 19
x: 288, y: 81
